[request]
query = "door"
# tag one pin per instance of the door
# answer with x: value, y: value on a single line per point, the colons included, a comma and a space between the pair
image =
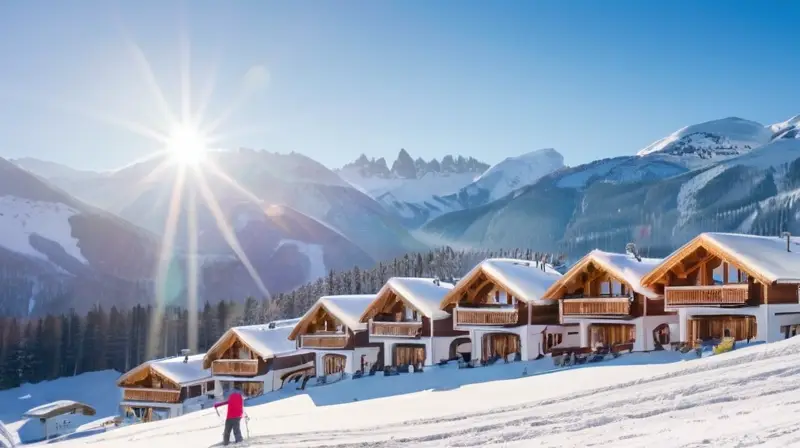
x: 333, y: 363
x: 499, y: 344
x: 409, y: 354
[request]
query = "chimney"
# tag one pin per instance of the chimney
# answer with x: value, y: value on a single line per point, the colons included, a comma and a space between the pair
x: 185, y: 352
x: 631, y: 249
x: 788, y: 237
x: 436, y: 281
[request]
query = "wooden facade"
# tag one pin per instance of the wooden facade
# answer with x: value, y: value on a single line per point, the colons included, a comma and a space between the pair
x: 703, y: 328
x: 594, y: 289
x: 481, y: 300
x: 235, y: 367
x: 152, y: 395
x: 703, y: 274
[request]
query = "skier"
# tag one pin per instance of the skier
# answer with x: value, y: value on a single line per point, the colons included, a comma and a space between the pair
x: 233, y: 418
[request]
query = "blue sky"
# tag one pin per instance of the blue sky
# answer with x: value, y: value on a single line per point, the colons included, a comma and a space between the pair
x: 336, y: 79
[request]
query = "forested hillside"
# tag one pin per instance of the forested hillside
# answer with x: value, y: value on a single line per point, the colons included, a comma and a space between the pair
x: 69, y: 344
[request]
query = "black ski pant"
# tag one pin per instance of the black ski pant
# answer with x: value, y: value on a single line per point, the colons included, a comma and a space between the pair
x: 232, y: 424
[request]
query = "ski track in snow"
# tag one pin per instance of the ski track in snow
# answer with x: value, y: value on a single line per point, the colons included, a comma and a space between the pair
x: 745, y: 398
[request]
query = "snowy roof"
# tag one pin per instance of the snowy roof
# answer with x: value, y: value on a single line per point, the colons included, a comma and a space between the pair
x: 422, y: 293
x: 348, y: 309
x: 625, y: 267
x: 765, y: 255
x: 525, y: 279
x: 181, y: 373
x: 57, y: 408
x: 265, y: 341
x: 174, y: 369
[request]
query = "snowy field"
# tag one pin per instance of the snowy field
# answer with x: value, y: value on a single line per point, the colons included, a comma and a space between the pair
x: 745, y: 398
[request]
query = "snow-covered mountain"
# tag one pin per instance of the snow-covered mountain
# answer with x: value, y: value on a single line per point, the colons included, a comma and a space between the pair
x: 786, y: 129
x: 411, y: 180
x: 57, y: 253
x: 709, y: 142
x: 496, y: 182
x: 654, y: 199
x: 141, y: 193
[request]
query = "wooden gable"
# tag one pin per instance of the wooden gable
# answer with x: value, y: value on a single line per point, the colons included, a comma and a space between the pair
x: 317, y: 319
x: 145, y: 376
x: 472, y: 288
x: 388, y: 301
x: 223, y: 348
x: 693, y: 264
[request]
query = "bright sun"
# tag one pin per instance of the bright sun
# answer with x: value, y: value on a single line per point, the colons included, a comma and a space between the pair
x: 187, y: 145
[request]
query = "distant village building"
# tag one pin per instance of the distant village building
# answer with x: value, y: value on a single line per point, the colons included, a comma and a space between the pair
x: 333, y: 330
x: 256, y: 359
x: 405, y: 318
x: 165, y: 388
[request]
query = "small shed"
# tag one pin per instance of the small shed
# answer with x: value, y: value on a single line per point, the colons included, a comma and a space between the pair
x: 56, y: 408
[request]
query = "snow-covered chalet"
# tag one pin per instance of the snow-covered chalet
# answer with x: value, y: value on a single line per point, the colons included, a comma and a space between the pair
x: 732, y: 285
x: 603, y: 294
x: 164, y: 388
x: 333, y: 331
x: 500, y: 303
x: 256, y: 359
x: 406, y: 319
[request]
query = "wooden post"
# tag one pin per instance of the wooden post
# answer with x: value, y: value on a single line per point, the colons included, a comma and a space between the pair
x: 725, y: 272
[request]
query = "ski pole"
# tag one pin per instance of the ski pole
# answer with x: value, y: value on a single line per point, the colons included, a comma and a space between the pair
x: 246, y: 425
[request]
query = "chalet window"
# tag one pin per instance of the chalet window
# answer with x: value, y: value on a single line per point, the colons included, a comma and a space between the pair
x: 605, y: 289
x: 244, y: 353
x: 616, y: 289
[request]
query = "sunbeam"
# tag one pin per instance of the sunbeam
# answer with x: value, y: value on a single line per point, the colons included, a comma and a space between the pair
x: 227, y: 233
x: 147, y: 71
x: 192, y: 302
x: 224, y: 176
x: 167, y: 246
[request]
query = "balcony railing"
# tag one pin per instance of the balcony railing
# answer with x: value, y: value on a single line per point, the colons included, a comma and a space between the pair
x: 486, y: 316
x: 235, y: 367
x: 396, y: 329
x: 323, y: 341
x: 152, y: 395
x: 617, y: 306
x: 714, y: 295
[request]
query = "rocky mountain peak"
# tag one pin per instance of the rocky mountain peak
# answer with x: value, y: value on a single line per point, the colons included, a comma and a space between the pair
x: 405, y: 167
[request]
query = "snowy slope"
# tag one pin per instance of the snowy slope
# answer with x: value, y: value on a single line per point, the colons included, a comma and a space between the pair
x: 786, y: 129
x: 97, y: 389
x: 743, y: 398
x: 703, y: 143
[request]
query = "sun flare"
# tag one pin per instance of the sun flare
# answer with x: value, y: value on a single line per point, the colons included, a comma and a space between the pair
x: 187, y: 145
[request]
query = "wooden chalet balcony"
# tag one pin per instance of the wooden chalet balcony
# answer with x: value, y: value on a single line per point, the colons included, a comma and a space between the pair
x: 486, y: 316
x: 714, y: 295
x: 323, y: 341
x: 395, y: 329
x: 235, y: 367
x: 613, y: 306
x: 152, y: 395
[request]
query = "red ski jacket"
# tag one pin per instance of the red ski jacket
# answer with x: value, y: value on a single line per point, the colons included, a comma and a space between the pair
x: 235, y: 405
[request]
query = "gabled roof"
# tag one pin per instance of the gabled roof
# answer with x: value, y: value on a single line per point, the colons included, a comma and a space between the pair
x: 525, y: 279
x: 423, y: 294
x: 763, y: 257
x: 174, y: 369
x: 346, y: 308
x: 265, y: 340
x: 60, y: 407
x: 623, y: 267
